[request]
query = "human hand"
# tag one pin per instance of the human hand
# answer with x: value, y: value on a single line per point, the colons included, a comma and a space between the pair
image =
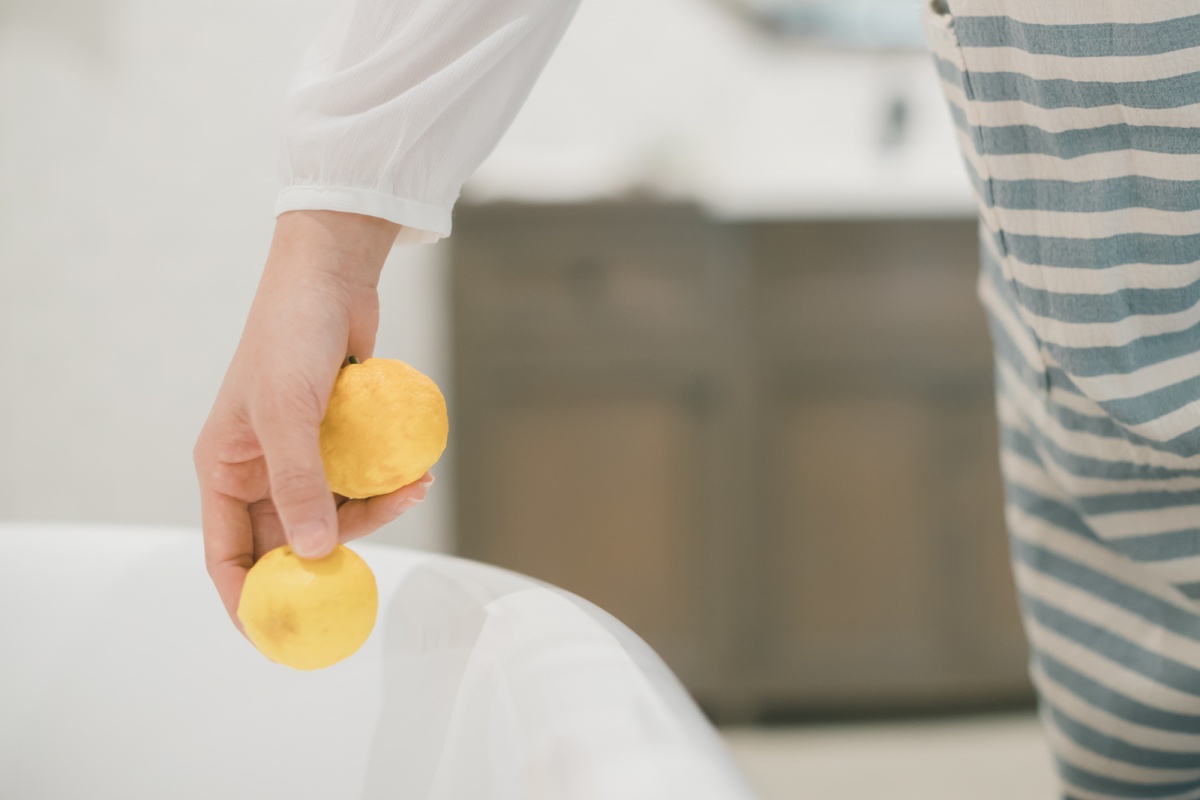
x: 258, y: 458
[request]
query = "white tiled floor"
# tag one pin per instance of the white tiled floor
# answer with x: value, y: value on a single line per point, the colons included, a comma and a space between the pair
x: 999, y: 757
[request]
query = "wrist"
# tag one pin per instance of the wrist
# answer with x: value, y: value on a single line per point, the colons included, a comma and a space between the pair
x: 350, y: 247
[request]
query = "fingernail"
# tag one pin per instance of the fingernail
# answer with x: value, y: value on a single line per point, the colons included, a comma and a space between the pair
x: 409, y: 502
x: 427, y: 482
x: 308, y: 540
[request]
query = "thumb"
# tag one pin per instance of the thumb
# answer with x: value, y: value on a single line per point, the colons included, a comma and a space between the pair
x: 290, y: 438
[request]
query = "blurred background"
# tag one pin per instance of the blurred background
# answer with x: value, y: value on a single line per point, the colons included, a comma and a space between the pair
x: 706, y: 324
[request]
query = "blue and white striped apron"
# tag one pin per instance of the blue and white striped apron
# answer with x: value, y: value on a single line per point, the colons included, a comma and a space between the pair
x: 1079, y: 122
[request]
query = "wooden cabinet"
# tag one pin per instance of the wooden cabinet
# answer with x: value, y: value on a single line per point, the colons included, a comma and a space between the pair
x: 882, y: 544
x: 768, y: 449
x: 589, y: 444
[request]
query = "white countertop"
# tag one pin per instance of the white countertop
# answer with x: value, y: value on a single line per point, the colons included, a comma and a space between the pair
x: 121, y: 672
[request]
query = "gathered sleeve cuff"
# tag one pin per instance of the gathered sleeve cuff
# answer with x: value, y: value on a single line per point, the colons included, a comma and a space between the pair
x: 398, y: 102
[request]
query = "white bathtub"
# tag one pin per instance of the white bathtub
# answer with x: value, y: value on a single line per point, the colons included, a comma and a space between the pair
x: 122, y: 678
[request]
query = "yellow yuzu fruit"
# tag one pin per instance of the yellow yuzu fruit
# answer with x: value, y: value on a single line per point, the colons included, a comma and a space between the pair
x: 309, y: 613
x: 385, y: 426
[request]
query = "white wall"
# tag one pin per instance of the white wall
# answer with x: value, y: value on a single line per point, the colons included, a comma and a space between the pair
x: 137, y: 175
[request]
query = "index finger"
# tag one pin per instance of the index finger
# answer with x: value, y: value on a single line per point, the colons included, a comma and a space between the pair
x: 228, y: 545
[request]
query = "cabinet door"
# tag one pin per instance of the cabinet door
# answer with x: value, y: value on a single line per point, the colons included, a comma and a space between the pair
x: 853, y: 588
x: 886, y: 579
x: 593, y: 480
x: 986, y: 620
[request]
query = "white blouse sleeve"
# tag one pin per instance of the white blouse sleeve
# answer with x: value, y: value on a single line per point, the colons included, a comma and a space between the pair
x: 399, y: 101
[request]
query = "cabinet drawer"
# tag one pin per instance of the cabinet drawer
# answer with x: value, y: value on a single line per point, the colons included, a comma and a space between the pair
x: 590, y: 270
x: 869, y: 291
